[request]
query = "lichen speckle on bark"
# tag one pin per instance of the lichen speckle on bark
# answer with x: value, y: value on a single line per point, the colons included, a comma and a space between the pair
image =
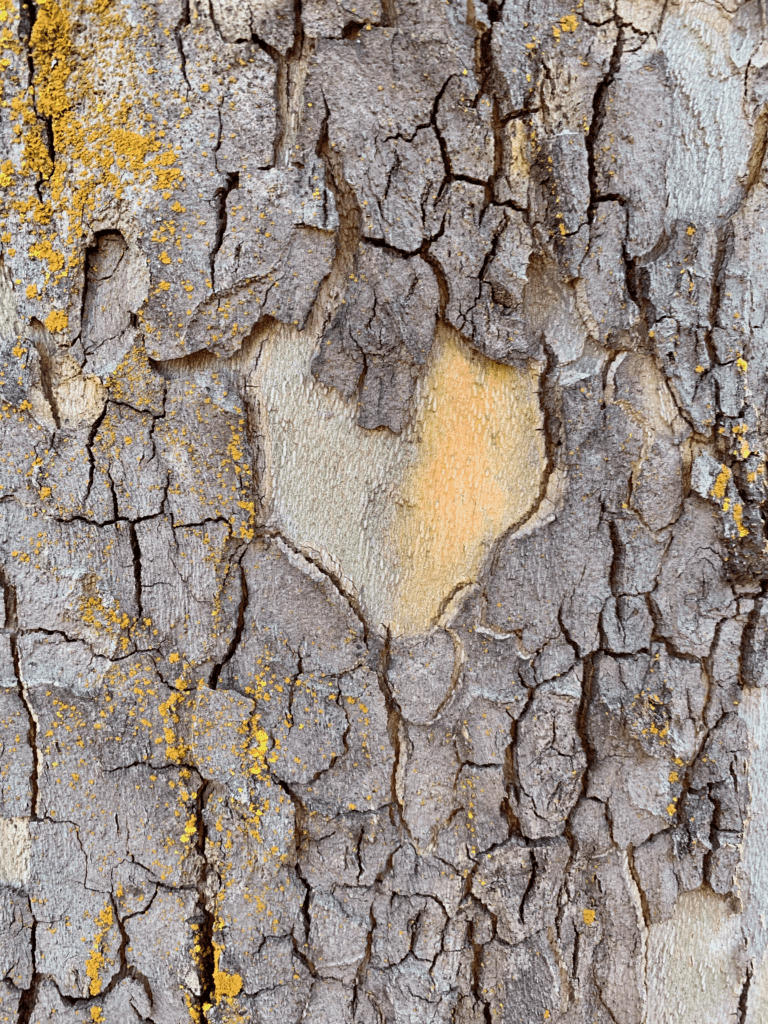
x: 384, y: 633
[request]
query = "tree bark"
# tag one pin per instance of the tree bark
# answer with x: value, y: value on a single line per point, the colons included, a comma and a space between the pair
x: 382, y: 533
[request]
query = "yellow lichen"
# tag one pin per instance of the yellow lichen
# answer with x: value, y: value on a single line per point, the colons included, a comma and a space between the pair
x: 226, y: 985
x: 738, y: 518
x: 56, y: 321
x: 97, y: 959
x: 718, y: 491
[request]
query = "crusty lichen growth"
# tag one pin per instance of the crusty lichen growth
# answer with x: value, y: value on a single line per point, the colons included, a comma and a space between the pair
x: 382, y: 533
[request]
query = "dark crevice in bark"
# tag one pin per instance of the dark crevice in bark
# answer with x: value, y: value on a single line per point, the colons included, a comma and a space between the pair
x: 214, y: 22
x: 302, y: 954
x: 10, y: 604
x: 549, y: 392
x: 207, y: 919
x: 757, y: 153
x: 388, y: 14
x: 300, y: 842
x: 719, y: 265
x: 28, y: 1000
x: 291, y: 68
x: 440, y: 277
x: 136, y: 552
x: 447, y: 172
x: 27, y: 20
x: 352, y: 30
x: 46, y: 131
x: 582, y: 729
x: 333, y: 577
x: 359, y: 982
x: 599, y: 106
x: 511, y: 778
x: 128, y: 970
x: 395, y: 728
x: 332, y: 288
x: 291, y: 72
x: 220, y: 197
x: 477, y: 979
x: 262, y: 44
x: 421, y: 250
x: 451, y: 596
x: 181, y: 24
x: 238, y: 633
x: 492, y: 249
x: 637, y: 278
x: 743, y: 1008
x: 647, y: 919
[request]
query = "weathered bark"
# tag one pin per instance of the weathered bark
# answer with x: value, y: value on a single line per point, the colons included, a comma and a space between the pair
x: 382, y: 531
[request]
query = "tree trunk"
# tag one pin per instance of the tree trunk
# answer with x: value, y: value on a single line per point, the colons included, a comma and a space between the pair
x: 382, y: 536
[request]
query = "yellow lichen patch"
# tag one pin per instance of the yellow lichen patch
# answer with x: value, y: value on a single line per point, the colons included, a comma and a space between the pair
x: 133, y: 378
x: 190, y: 829
x: 738, y: 518
x: 476, y: 473
x: 97, y: 616
x: 226, y: 985
x: 718, y: 491
x: 176, y: 748
x: 56, y: 321
x: 84, y: 144
x: 589, y: 915
x: 258, y: 749
x: 95, y: 961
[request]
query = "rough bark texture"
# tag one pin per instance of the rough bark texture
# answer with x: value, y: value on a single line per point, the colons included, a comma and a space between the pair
x: 382, y: 531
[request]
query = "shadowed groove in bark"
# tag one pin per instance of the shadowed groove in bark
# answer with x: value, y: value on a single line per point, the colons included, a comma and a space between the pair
x: 757, y: 154
x: 28, y: 1000
x: 206, y: 923
x: 291, y: 76
x: 238, y: 631
x: 181, y: 24
x: 544, y: 584
x: 220, y: 198
x: 599, y: 103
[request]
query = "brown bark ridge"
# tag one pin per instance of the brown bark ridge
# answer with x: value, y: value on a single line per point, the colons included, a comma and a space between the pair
x: 382, y: 511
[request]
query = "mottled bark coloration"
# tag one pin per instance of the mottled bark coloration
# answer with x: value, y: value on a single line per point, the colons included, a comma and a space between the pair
x: 382, y: 512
